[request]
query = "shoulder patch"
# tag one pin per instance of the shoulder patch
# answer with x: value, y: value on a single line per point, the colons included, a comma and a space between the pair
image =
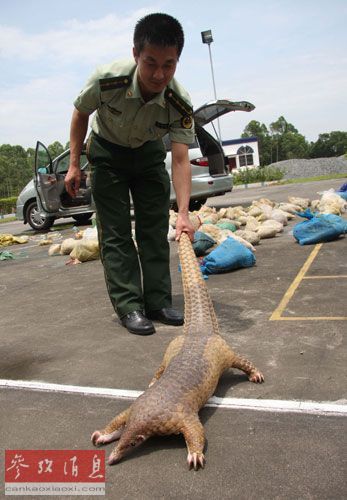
x: 178, y: 103
x: 115, y: 82
x: 187, y: 121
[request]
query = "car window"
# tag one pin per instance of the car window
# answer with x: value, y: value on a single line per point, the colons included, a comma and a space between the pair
x: 62, y: 164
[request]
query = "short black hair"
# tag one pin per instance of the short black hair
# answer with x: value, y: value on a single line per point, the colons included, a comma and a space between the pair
x: 158, y: 29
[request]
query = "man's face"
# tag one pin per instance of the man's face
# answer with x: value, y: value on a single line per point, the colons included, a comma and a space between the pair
x: 156, y: 67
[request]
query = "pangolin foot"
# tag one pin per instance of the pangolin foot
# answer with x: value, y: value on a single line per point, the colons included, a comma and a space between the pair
x: 98, y: 438
x: 256, y: 377
x: 113, y: 458
x: 196, y: 460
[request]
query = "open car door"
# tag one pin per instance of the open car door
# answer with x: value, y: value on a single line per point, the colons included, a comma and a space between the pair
x: 45, y: 180
x: 211, y: 147
x: 49, y: 178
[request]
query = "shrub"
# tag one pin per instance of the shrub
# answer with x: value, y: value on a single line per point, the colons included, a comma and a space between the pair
x: 258, y: 174
x: 7, y: 205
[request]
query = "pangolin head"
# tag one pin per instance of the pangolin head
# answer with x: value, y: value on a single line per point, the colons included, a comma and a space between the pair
x: 131, y: 438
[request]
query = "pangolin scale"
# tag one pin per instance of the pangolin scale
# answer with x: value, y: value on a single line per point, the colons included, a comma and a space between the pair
x: 186, y: 379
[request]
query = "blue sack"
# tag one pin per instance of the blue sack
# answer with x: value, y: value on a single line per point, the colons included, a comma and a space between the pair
x: 202, y: 242
x: 325, y: 227
x: 306, y: 214
x: 230, y: 254
x: 342, y: 191
x: 343, y: 194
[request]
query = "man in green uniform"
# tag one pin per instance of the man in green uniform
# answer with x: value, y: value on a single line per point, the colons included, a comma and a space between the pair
x: 136, y: 103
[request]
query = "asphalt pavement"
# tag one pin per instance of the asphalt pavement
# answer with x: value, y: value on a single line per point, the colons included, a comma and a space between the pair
x: 287, y: 314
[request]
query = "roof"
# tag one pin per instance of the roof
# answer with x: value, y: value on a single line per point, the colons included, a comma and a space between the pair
x: 242, y: 140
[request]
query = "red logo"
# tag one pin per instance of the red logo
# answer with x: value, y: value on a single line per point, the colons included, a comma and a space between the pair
x: 80, y: 469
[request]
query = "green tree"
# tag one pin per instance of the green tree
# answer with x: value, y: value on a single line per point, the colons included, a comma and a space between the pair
x: 281, y: 126
x: 55, y: 149
x: 294, y: 145
x: 329, y: 144
x: 259, y: 130
x: 255, y: 128
x: 14, y: 170
x: 281, y: 141
x: 5, y: 177
x: 31, y: 158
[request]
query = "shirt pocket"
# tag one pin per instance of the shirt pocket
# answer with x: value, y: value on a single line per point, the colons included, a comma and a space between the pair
x: 160, y: 129
x: 110, y: 116
x: 110, y: 108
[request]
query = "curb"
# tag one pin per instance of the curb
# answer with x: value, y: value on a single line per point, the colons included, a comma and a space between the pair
x: 254, y: 185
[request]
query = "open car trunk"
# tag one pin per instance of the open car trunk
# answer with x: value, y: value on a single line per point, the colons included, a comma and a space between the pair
x: 210, y: 146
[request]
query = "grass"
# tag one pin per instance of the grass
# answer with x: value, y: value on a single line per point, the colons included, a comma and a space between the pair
x: 7, y: 219
x: 259, y: 174
x: 311, y: 179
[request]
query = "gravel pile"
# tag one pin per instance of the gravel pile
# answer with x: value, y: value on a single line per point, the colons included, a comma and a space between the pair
x: 298, y: 168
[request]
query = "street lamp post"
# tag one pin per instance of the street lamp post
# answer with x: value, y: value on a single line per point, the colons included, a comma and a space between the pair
x: 206, y: 37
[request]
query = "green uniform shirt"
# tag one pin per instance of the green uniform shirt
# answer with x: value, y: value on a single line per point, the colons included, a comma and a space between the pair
x: 124, y: 118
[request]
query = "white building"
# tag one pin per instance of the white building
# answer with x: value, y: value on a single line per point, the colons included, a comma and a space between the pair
x: 242, y: 152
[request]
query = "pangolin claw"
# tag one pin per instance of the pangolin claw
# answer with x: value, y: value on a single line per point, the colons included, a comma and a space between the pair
x: 196, y: 460
x: 96, y: 438
x: 100, y: 437
x: 113, y: 458
x: 257, y: 377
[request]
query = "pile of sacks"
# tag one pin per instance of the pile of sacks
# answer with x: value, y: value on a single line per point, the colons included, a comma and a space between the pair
x: 82, y: 248
x: 330, y: 203
x: 10, y: 239
x: 227, y: 237
x: 244, y: 225
x: 262, y: 219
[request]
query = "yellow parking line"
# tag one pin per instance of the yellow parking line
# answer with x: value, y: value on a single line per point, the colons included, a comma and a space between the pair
x: 276, y: 315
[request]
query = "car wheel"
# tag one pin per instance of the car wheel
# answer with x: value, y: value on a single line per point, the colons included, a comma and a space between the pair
x: 193, y: 205
x: 82, y: 218
x: 37, y: 221
x: 196, y: 204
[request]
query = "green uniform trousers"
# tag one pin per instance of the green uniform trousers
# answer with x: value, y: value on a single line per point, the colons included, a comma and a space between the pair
x: 118, y: 171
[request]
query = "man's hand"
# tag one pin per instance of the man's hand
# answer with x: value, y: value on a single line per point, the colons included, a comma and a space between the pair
x: 73, y: 180
x: 78, y: 130
x: 183, y: 225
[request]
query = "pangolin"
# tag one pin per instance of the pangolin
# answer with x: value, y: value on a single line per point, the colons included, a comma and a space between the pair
x: 186, y: 378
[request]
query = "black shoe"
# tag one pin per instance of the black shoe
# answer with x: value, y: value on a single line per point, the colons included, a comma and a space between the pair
x: 167, y: 315
x: 137, y: 323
